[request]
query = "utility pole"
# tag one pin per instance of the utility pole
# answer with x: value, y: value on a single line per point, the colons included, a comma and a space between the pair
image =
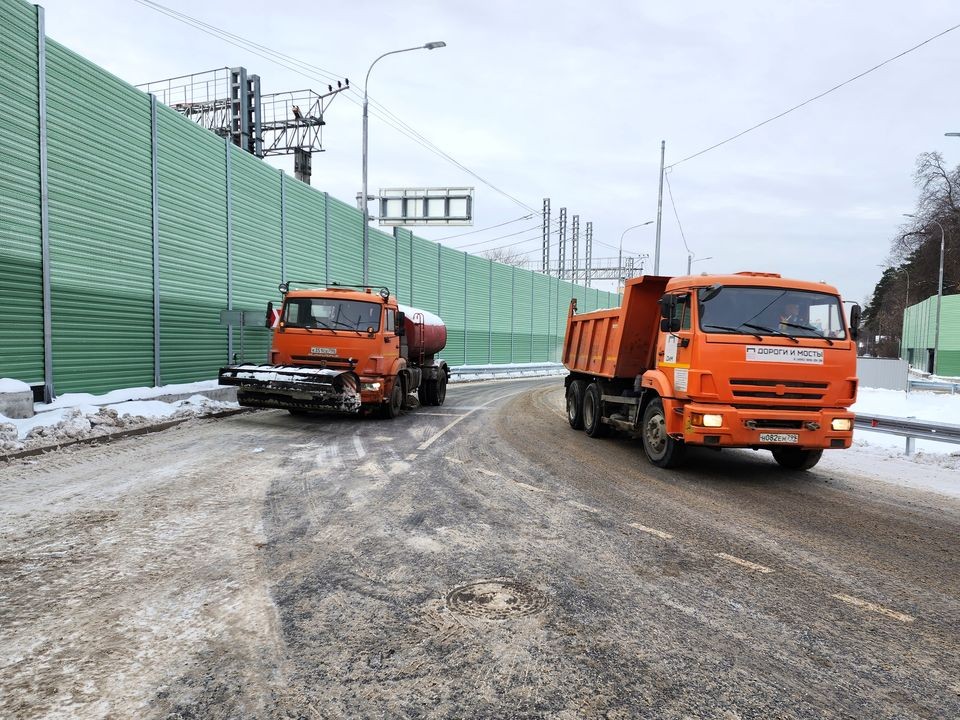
x: 574, y: 259
x: 563, y: 243
x: 546, y: 237
x: 656, y: 254
x: 588, y: 263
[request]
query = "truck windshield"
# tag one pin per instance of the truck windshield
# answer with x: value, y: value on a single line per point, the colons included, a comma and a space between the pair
x: 770, y: 311
x: 332, y: 314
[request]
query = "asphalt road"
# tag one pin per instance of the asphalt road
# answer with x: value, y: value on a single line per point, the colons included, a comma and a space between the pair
x: 476, y: 560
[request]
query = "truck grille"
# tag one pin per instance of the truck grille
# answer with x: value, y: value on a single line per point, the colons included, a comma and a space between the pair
x: 778, y: 389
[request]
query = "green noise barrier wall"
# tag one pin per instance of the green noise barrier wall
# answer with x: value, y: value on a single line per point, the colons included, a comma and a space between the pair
x: 125, y: 234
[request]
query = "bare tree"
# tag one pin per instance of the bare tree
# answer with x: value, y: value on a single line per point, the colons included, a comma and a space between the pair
x: 506, y: 256
x: 913, y: 263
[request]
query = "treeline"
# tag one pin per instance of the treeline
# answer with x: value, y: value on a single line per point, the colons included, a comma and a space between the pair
x: 912, y: 268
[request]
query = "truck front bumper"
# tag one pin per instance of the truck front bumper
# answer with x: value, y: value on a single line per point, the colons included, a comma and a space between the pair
x: 766, y: 428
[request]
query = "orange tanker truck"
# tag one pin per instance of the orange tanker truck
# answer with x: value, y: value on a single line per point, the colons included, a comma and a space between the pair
x: 346, y: 350
x: 748, y: 360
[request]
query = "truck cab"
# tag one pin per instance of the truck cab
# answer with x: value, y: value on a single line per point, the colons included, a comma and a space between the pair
x: 745, y: 360
x: 345, y: 349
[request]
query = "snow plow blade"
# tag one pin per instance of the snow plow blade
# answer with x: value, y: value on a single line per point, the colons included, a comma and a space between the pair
x: 294, y: 388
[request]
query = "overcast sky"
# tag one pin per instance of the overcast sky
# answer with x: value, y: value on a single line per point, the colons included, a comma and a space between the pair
x: 570, y: 100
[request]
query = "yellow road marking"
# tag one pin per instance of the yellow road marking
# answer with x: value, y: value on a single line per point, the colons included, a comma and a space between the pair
x: 652, y: 531
x: 873, y: 607
x: 744, y: 563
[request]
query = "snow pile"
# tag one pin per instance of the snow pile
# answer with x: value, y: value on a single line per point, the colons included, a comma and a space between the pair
x: 9, y: 385
x: 85, y: 420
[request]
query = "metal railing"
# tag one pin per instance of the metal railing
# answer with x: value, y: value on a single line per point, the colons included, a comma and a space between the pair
x: 909, y: 428
x: 945, y: 385
x: 469, y: 372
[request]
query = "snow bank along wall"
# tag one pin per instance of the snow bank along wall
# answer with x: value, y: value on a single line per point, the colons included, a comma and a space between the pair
x: 125, y: 229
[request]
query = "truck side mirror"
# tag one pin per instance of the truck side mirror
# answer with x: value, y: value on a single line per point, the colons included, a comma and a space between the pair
x: 400, y: 327
x: 668, y: 304
x: 269, y: 320
x: 670, y: 325
x: 855, y: 322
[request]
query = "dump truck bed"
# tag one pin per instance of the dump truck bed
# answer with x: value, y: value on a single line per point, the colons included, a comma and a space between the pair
x: 617, y: 343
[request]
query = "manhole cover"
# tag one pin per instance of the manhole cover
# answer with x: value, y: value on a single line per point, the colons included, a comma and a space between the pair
x: 496, y: 599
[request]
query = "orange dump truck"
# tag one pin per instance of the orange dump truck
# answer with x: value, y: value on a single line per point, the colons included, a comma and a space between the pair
x: 749, y: 360
x: 345, y: 350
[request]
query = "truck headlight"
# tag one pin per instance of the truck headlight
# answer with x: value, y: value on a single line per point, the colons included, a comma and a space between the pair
x: 370, y: 386
x: 706, y: 420
x: 841, y: 424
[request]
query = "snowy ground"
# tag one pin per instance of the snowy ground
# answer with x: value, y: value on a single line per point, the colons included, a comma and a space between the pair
x: 935, y: 466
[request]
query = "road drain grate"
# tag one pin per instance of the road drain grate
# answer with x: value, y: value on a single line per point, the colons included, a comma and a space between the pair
x: 496, y: 599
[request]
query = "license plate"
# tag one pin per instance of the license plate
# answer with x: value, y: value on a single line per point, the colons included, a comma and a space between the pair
x: 779, y: 438
x: 323, y: 351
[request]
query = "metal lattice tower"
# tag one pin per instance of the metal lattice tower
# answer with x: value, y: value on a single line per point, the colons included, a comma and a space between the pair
x: 562, y: 252
x: 588, y: 260
x: 228, y: 102
x: 545, y: 265
x: 575, y: 256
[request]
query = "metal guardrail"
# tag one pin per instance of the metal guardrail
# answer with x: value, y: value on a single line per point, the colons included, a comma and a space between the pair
x: 951, y: 387
x: 909, y: 428
x: 498, y: 371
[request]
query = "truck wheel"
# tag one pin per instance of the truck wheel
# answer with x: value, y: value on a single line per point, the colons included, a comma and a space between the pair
x: 593, y: 412
x: 575, y: 404
x: 433, y: 392
x: 796, y: 459
x: 662, y: 450
x: 392, y: 407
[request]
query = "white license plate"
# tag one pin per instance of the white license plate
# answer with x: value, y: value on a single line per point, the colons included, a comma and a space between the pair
x: 779, y: 438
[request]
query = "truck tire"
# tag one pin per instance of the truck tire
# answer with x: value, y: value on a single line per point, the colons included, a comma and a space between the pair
x: 394, y: 403
x: 796, y: 458
x: 433, y: 392
x: 661, y: 449
x: 575, y: 404
x: 593, y: 423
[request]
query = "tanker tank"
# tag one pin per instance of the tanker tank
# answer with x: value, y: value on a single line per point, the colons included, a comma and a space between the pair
x: 425, y: 332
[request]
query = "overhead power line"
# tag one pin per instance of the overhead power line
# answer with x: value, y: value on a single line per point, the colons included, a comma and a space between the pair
x: 815, y: 97
x: 299, y: 66
x: 666, y: 176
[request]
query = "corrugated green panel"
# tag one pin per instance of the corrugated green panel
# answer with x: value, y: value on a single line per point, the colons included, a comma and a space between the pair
x: 404, y: 265
x: 502, y: 310
x: 346, y: 243
x: 193, y: 248
x: 382, y: 268
x: 453, y: 303
x: 522, y: 314
x: 542, y: 316
x: 255, y: 225
x: 426, y: 275
x: 21, y: 300
x: 478, y: 311
x: 948, y: 363
x: 304, y: 242
x: 100, y: 227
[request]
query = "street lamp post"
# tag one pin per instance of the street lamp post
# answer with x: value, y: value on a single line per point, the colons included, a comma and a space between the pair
x: 620, y: 252
x: 364, y: 198
x: 691, y: 261
x: 936, y: 331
